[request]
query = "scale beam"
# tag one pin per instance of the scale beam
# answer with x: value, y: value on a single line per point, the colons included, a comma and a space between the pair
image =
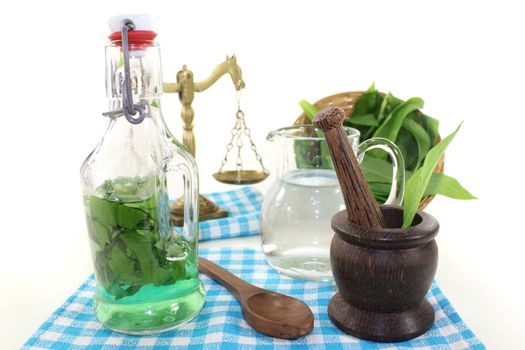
x: 186, y: 88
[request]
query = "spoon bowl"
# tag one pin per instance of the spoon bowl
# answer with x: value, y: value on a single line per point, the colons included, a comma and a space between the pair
x: 273, y: 314
x: 282, y: 316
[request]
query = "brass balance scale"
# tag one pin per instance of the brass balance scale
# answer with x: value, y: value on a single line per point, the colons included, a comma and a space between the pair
x: 186, y: 87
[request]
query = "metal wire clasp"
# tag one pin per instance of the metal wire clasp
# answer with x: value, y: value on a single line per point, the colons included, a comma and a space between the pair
x: 128, y: 107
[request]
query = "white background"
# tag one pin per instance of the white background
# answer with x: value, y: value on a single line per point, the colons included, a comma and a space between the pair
x: 465, y: 59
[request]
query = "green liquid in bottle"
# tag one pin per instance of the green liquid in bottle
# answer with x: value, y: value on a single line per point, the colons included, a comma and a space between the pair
x: 147, y: 275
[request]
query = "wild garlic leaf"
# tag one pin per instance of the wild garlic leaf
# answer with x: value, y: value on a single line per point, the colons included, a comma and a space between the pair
x: 368, y: 103
x: 143, y: 252
x: 131, y: 218
x: 421, y: 137
x: 393, y: 101
x: 431, y: 126
x: 416, y: 185
x: 315, y: 154
x: 102, y: 271
x: 447, y: 186
x: 381, y: 190
x: 390, y: 128
x: 382, y: 108
x: 408, y: 146
x: 309, y: 110
x: 376, y: 170
x: 102, y: 211
x: 119, y: 262
x: 364, y: 120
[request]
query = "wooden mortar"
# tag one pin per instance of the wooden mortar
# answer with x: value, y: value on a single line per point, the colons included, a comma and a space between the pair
x: 382, y: 271
x: 383, y: 275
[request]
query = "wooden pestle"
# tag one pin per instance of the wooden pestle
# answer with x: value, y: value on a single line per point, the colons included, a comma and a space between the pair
x: 361, y: 206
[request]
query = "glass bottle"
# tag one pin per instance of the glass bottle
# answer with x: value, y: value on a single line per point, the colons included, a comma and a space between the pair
x: 146, y: 269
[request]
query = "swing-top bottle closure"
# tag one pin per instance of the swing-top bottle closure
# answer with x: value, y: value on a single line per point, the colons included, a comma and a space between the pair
x: 132, y: 82
x: 141, y: 37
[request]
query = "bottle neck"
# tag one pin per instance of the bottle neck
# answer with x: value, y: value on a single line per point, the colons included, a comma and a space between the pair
x: 145, y: 74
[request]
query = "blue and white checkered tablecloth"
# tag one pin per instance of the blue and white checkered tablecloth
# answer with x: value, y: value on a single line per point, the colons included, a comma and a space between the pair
x: 220, y: 324
x: 244, y: 207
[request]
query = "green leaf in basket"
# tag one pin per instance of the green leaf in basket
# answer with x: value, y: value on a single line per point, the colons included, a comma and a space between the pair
x: 364, y: 120
x: 368, y: 103
x: 381, y: 190
x: 416, y: 185
x: 309, y: 110
x: 431, y: 126
x: 376, y: 170
x: 317, y: 154
x: 408, y: 146
x: 393, y: 122
x: 393, y: 101
x: 382, y: 108
x: 421, y: 137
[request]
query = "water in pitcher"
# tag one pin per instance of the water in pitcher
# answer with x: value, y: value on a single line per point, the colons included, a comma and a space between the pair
x: 295, y: 227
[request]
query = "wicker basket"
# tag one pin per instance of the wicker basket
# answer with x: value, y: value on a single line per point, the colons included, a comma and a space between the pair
x: 346, y: 101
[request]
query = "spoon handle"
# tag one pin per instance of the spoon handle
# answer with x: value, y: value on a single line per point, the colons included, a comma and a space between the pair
x: 234, y: 284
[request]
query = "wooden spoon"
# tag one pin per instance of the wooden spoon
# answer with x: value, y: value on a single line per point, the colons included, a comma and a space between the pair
x: 273, y: 314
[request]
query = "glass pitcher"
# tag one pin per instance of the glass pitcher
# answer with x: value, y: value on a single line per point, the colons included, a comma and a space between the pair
x: 298, y: 208
x: 145, y: 268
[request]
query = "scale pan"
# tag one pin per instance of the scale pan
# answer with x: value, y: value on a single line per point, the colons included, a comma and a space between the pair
x: 243, y: 177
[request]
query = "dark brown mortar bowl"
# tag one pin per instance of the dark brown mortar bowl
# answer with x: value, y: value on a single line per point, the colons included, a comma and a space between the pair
x: 383, y: 276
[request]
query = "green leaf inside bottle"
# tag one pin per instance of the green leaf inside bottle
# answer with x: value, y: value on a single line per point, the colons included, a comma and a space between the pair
x: 132, y: 245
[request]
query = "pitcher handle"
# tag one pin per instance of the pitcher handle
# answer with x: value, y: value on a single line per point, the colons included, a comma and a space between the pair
x: 397, y: 191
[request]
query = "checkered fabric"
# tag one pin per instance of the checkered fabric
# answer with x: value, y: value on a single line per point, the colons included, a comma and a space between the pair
x: 244, y: 206
x: 220, y: 324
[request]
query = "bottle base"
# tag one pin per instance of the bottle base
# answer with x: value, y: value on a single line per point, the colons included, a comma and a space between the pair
x: 151, y: 317
x: 300, y: 267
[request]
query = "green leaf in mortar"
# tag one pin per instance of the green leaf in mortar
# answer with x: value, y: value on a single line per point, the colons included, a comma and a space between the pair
x: 447, y: 186
x: 378, y: 173
x: 416, y: 185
